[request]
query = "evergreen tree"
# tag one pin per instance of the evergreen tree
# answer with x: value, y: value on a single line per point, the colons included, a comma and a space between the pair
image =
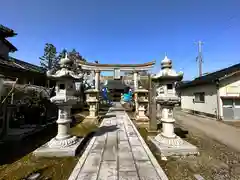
x: 76, y: 55
x: 62, y: 54
x: 74, y: 51
x: 49, y: 59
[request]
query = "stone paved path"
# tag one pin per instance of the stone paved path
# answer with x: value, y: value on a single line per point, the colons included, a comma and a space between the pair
x: 117, y: 152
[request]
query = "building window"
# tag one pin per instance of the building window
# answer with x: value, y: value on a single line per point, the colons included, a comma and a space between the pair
x: 227, y: 103
x: 169, y: 86
x: 62, y: 86
x: 199, y: 97
x: 237, y: 103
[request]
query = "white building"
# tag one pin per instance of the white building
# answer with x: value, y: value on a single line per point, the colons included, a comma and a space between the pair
x: 216, y: 94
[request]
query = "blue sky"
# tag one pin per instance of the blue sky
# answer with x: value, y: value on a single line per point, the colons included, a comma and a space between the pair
x: 129, y: 31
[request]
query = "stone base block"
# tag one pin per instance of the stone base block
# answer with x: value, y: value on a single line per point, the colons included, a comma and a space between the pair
x: 46, y: 151
x: 152, y: 131
x: 141, y: 124
x: 142, y: 119
x: 95, y: 119
x: 185, y: 149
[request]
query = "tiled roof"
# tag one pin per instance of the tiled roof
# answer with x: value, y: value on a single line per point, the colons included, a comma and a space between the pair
x: 20, y: 65
x: 115, y: 84
x: 27, y: 66
x: 212, y: 77
x: 6, y: 32
x: 7, y: 63
x: 181, y: 83
x: 10, y: 45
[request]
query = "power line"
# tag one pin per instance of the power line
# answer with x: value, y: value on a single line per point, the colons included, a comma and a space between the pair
x: 186, y: 61
x: 231, y: 19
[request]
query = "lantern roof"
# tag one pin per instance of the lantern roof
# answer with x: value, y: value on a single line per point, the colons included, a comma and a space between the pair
x: 66, y: 70
x: 167, y: 72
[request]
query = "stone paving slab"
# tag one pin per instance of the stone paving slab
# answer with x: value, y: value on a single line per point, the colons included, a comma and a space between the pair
x: 117, y: 152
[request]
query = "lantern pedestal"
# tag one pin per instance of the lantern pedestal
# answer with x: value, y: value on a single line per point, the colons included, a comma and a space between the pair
x: 64, y: 144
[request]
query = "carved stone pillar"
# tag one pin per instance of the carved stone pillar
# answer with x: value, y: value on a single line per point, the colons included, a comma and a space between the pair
x: 168, y: 122
x: 135, y: 78
x: 97, y: 87
x: 97, y: 79
x: 64, y: 120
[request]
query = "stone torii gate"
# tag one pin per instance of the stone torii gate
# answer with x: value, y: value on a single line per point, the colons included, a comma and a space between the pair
x: 116, y: 68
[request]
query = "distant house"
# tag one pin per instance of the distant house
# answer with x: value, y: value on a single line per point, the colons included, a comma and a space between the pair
x: 13, y: 68
x: 215, y: 94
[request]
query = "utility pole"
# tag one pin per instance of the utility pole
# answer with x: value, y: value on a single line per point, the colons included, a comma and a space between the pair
x: 199, y: 57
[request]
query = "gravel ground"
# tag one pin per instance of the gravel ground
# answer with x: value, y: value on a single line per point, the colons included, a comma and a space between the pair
x: 233, y: 123
x: 215, y: 162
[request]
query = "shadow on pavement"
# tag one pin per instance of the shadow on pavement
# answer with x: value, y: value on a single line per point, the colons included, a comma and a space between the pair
x: 105, y: 129
x: 116, y: 109
x: 109, y: 116
x: 102, y: 130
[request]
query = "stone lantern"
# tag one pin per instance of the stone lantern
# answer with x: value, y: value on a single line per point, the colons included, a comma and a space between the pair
x: 167, y: 141
x: 92, y: 96
x: 142, y: 100
x: 63, y: 144
x: 93, y: 101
